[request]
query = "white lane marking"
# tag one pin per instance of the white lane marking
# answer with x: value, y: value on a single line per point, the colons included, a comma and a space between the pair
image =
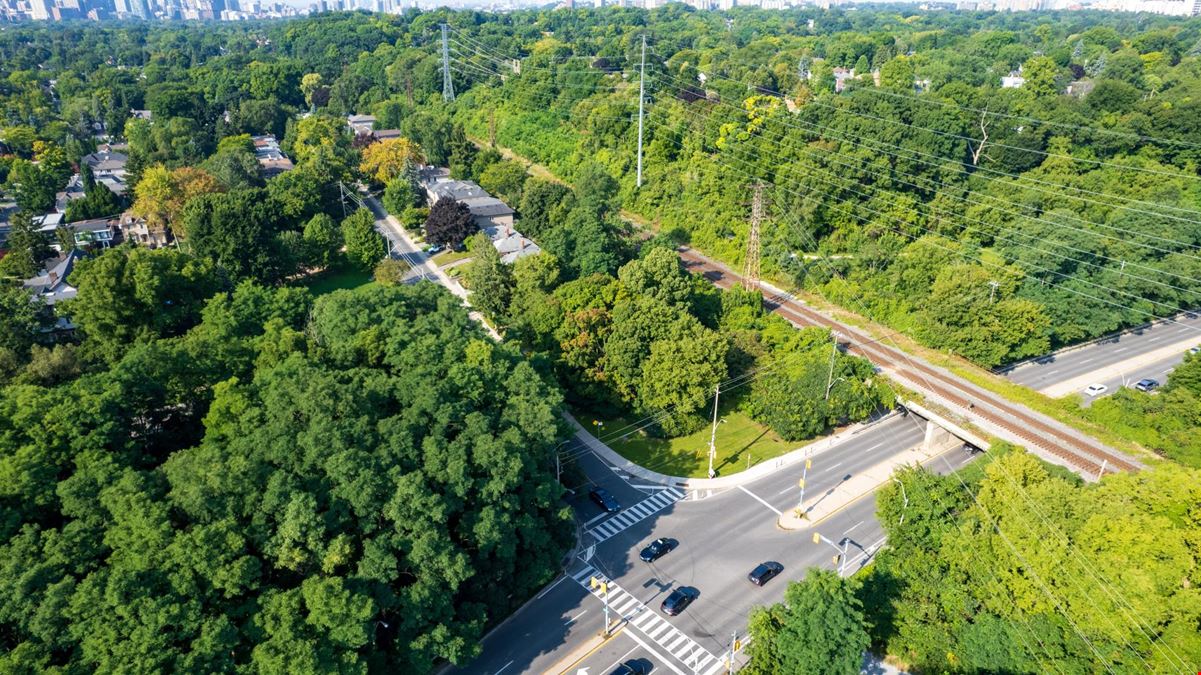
x: 650, y: 487
x: 834, y: 466
x: 873, y: 447
x: 548, y: 588
x: 502, y: 668
x: 572, y: 619
x: 853, y: 527
x: 1153, y: 339
x: 1120, y: 350
x: 1088, y: 360
x: 761, y: 501
x: 594, y: 519
x: 658, y: 657
x: 619, y: 660
x: 1053, y: 372
x: 788, y: 489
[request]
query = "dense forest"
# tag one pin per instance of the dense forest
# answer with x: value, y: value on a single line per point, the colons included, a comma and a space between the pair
x: 222, y: 471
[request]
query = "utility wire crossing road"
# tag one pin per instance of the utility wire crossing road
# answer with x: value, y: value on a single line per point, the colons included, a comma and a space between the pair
x: 635, y: 513
x: 644, y: 620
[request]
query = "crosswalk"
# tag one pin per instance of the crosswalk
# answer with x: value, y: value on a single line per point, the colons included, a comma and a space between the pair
x: 651, y: 505
x: 649, y: 623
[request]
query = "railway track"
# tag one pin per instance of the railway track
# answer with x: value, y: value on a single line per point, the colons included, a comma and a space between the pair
x: 1084, y: 455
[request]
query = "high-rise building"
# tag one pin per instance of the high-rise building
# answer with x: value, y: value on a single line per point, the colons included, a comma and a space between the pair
x: 39, y: 10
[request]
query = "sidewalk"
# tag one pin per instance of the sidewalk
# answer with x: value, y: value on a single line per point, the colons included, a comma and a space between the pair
x: 721, y: 483
x: 390, y: 227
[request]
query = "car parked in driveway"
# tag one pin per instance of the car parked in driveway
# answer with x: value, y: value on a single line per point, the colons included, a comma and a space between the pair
x: 765, y: 572
x: 677, y: 602
x: 1095, y: 389
x: 1146, y: 384
x: 657, y: 549
x: 603, y: 499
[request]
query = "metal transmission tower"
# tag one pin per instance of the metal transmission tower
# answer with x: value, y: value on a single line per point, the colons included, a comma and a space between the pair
x: 448, y: 87
x: 641, y: 99
x: 750, y: 275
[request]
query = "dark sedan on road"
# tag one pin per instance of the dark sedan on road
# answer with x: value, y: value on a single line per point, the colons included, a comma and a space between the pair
x: 631, y: 668
x: 765, y: 573
x: 1146, y: 384
x: 677, y: 602
x: 657, y: 549
x: 604, y: 500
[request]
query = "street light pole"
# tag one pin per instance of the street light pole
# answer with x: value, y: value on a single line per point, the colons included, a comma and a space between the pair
x: 905, y: 499
x: 713, y: 434
x: 830, y: 374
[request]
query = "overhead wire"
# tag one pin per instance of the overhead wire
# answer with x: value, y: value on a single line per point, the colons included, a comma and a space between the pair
x: 974, y: 170
x: 1083, y: 562
x: 1031, y: 569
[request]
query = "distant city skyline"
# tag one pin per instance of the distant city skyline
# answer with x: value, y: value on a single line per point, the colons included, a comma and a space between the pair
x: 12, y: 11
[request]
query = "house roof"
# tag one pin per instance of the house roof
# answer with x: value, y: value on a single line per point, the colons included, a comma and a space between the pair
x: 51, y: 285
x: 103, y: 160
x: 385, y: 134
x: 487, y: 206
x: 458, y: 189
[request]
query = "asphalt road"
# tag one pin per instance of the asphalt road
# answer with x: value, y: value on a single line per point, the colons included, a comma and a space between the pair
x: 1109, y: 360
x: 1115, y: 379
x: 720, y: 539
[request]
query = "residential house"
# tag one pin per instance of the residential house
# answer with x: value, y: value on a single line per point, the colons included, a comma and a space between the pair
x: 489, y: 211
x: 136, y: 230
x: 95, y: 233
x: 272, y: 160
x: 841, y: 77
x: 1013, y: 80
x: 385, y: 134
x: 51, y: 285
x: 453, y: 189
x: 141, y: 115
x: 361, y: 124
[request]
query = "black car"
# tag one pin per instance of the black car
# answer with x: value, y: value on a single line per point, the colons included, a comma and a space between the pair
x: 630, y: 668
x: 1146, y: 384
x: 657, y: 549
x: 677, y: 602
x: 604, y: 500
x: 765, y: 573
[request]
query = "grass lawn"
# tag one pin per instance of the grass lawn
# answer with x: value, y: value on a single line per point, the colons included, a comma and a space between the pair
x: 741, y: 444
x: 336, y: 279
x: 447, y: 257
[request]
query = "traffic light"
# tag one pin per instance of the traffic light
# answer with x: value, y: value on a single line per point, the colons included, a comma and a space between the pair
x: 801, y: 483
x: 817, y: 538
x: 808, y: 463
x: 738, y: 645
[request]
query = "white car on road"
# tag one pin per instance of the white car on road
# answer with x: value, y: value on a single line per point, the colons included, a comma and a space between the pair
x: 1095, y: 389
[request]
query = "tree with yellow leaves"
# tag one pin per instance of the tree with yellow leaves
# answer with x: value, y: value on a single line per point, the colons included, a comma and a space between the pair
x: 390, y: 158
x: 162, y: 193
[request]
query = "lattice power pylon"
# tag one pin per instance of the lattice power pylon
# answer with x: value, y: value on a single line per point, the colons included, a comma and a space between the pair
x: 750, y: 273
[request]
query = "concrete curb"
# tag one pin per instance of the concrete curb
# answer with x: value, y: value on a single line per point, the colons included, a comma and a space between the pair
x: 709, y: 485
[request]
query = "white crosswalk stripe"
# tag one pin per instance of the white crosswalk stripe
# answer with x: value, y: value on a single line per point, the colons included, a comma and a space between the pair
x: 646, y: 621
x: 640, y: 511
